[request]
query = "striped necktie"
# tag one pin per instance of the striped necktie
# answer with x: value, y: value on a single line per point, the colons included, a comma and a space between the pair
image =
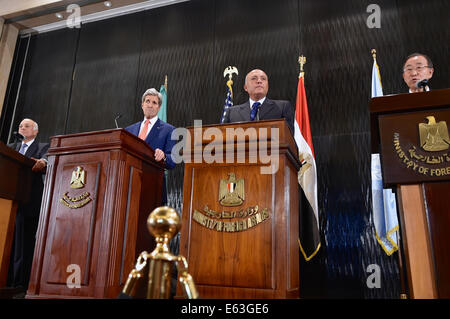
x: 254, y: 111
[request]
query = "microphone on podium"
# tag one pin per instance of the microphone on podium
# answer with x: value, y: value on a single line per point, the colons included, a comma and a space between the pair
x: 18, y: 137
x: 422, y: 84
x: 117, y: 117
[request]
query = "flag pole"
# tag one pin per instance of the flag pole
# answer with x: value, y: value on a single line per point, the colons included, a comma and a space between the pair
x: 374, y: 54
x: 229, y: 70
x: 400, y: 257
x: 165, y: 83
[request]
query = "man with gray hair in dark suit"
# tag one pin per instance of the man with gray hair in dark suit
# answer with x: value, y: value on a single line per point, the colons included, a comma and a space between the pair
x: 27, y: 217
x: 259, y: 107
x: 155, y: 132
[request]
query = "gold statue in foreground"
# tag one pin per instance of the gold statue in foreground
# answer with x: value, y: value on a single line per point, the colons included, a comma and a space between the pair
x: 151, y: 276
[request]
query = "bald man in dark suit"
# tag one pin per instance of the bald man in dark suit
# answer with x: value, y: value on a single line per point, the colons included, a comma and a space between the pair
x: 259, y: 107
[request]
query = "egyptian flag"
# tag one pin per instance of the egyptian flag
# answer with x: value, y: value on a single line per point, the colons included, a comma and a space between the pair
x: 309, y: 240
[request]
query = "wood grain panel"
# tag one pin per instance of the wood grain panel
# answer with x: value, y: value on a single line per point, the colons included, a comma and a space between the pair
x: 438, y: 213
x: 416, y: 242
x: 71, y: 236
x: 227, y: 252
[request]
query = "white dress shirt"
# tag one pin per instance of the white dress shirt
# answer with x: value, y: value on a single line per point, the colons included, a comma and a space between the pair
x: 260, y: 101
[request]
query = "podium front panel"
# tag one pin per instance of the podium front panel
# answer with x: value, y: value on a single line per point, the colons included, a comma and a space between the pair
x: 215, y: 232
x: 415, y: 147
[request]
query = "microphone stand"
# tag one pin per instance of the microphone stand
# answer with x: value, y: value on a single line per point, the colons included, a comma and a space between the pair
x: 18, y: 138
x: 115, y: 120
x: 422, y: 84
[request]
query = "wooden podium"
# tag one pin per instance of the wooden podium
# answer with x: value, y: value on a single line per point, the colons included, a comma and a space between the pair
x: 410, y: 131
x: 100, y: 188
x: 15, y: 187
x: 249, y: 250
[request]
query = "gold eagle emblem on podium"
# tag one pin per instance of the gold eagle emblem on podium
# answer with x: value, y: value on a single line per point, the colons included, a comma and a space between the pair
x: 78, y: 179
x: 433, y: 136
x: 231, y: 191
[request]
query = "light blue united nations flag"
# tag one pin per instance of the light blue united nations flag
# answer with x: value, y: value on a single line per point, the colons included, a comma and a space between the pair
x: 383, y: 200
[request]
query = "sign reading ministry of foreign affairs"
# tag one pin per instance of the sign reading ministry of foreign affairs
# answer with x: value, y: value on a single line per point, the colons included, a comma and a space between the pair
x: 419, y: 147
x: 231, y: 194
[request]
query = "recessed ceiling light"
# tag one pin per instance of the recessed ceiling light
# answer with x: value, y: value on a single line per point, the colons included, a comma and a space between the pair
x: 59, y: 15
x: 107, y: 4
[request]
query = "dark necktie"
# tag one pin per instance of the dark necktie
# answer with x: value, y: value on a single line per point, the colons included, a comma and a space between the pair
x: 254, y: 111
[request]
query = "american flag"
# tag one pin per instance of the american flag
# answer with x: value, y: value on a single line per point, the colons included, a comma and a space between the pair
x: 228, y: 103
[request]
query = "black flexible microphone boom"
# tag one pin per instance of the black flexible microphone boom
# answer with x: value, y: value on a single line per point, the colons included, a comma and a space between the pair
x: 115, y: 120
x: 422, y: 84
x: 18, y: 137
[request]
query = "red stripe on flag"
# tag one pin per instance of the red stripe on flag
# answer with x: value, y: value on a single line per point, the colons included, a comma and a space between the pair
x: 302, y: 115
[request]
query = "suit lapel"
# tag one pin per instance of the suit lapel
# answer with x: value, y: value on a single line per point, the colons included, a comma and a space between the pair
x: 153, y: 132
x: 265, y: 109
x: 32, y: 149
x: 135, y: 129
x: 244, y: 111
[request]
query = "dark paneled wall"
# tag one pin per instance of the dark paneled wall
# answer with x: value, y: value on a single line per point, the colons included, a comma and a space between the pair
x: 45, y: 87
x: 105, y: 74
x: 80, y: 79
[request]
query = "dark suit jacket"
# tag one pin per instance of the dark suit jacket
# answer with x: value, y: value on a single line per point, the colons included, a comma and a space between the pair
x: 269, y: 110
x: 36, y: 150
x: 159, y: 137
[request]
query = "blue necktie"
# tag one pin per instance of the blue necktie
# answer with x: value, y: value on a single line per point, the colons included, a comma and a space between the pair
x: 22, y: 149
x: 254, y: 111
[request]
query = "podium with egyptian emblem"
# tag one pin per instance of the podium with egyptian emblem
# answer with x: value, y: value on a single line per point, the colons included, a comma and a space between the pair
x: 410, y: 131
x: 99, y: 189
x: 240, y: 210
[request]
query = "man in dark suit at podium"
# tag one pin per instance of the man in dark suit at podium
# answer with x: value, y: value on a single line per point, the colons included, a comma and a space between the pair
x: 156, y: 133
x: 27, y: 217
x: 259, y: 107
x: 417, y: 71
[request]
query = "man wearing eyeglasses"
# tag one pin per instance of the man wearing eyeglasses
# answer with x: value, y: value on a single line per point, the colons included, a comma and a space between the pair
x: 418, y: 67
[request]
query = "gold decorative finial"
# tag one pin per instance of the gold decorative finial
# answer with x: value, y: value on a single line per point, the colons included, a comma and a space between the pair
x: 163, y: 223
x: 229, y: 70
x: 374, y: 54
x: 151, y: 277
x: 302, y: 62
x: 165, y: 83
